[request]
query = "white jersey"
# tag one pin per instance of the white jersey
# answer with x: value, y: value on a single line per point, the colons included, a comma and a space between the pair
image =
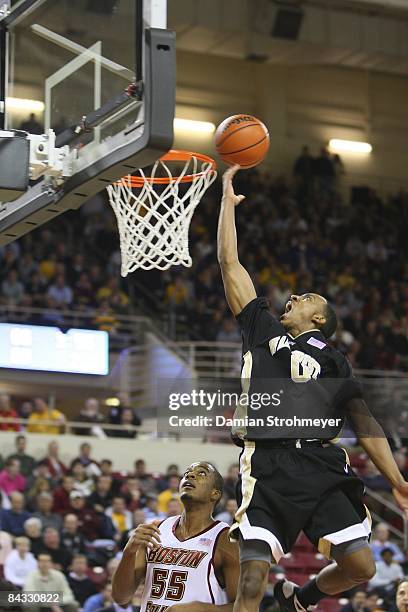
x: 181, y: 572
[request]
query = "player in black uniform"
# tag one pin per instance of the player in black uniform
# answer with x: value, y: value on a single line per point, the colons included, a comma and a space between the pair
x: 297, y: 481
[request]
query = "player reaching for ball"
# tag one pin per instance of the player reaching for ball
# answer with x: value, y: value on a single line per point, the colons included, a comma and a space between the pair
x: 187, y: 562
x: 296, y: 482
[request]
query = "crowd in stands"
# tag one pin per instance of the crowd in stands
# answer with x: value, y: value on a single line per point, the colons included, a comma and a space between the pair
x: 66, y: 523
x: 295, y: 235
x: 39, y: 417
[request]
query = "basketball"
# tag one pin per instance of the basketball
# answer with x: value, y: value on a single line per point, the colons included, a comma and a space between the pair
x: 243, y: 140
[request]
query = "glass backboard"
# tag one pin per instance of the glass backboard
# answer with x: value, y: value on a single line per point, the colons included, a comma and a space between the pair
x: 101, y: 74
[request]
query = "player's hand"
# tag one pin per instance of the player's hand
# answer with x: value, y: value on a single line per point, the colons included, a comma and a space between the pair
x: 143, y: 536
x: 228, y: 187
x: 401, y: 496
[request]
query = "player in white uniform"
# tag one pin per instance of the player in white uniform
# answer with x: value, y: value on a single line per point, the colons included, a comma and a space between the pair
x: 187, y: 562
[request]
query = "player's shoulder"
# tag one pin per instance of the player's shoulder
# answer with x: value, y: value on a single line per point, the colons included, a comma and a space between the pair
x: 223, y: 545
x: 315, y: 344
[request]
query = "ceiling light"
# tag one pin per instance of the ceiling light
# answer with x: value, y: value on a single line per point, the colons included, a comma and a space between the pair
x: 188, y: 125
x: 25, y: 105
x: 349, y: 146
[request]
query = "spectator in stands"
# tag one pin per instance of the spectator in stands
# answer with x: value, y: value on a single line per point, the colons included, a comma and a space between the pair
x: 401, y: 599
x: 44, y: 512
x: 25, y: 409
x: 115, y: 412
x: 91, y: 466
x: 37, y: 422
x: 56, y: 468
x: 90, y: 413
x: 151, y: 509
x: 163, y: 482
x: 12, y: 289
x: 32, y: 530
x: 81, y: 585
x: 388, y: 574
x: 230, y: 481
x: 126, y: 422
x: 373, y: 479
x: 82, y: 482
x: 147, y: 482
x: 61, y: 557
x: 10, y: 478
x: 48, y: 580
x: 101, y: 498
x: 108, y: 605
x: 107, y: 470
x: 6, y: 546
x: 20, y: 562
x: 41, y: 485
x: 27, y: 463
x: 31, y: 125
x: 121, y: 518
x: 62, y: 503
x: 71, y: 536
x: 13, y: 520
x: 381, y: 540
x: 304, y: 166
x: 60, y: 292
x: 7, y: 412
x: 172, y: 492
x: 229, y: 512
x: 174, y: 507
x: 93, y: 525
x: 357, y: 602
x: 132, y: 493
x: 374, y: 602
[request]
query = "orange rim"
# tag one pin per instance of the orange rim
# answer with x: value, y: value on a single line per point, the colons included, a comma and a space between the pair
x: 174, y: 156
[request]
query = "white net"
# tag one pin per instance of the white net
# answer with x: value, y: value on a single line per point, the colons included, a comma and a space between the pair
x: 154, y: 219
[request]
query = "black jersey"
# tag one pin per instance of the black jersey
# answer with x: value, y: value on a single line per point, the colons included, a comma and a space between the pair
x: 291, y: 387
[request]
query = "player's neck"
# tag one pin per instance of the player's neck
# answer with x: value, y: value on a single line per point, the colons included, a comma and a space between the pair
x: 194, y: 520
x: 298, y: 330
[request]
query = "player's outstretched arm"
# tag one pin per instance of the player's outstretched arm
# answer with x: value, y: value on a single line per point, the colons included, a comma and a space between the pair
x: 132, y: 567
x: 373, y: 440
x: 239, y: 288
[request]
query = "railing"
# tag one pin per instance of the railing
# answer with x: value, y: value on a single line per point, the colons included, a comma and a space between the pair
x: 393, y: 509
x: 223, y: 360
x: 99, y: 430
x: 127, y: 330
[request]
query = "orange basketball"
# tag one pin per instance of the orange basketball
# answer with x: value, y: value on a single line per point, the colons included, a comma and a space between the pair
x: 243, y: 140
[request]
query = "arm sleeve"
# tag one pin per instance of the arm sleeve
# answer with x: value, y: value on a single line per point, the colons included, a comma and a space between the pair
x: 258, y: 325
x: 67, y: 594
x: 9, y: 573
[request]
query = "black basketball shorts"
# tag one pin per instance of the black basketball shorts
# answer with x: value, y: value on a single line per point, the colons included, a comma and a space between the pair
x: 282, y: 491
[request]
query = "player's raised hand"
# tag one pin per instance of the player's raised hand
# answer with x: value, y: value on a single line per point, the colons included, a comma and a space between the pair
x: 228, y: 188
x: 401, y: 496
x: 146, y: 535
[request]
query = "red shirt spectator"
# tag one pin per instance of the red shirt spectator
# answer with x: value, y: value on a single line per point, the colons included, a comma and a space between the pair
x: 7, y: 412
x: 10, y: 478
x: 55, y: 467
x: 93, y: 525
x: 62, y: 503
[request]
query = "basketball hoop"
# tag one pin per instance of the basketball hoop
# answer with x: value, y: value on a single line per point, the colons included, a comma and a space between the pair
x: 154, y: 212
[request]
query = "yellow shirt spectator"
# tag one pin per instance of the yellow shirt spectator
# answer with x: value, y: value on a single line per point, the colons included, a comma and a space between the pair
x: 37, y: 421
x: 168, y: 494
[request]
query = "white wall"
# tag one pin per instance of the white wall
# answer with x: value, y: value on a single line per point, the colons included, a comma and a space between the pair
x: 157, y: 453
x: 301, y: 105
